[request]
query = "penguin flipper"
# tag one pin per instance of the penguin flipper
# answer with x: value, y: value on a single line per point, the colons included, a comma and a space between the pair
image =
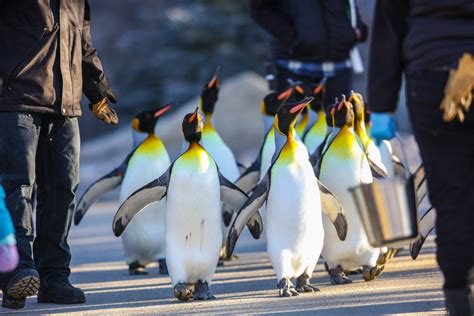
x: 235, y: 198
x: 105, y: 184
x: 333, y: 209
x: 398, y: 167
x: 137, y: 201
x: 248, y: 180
x: 377, y: 170
x: 247, y: 213
x: 421, y: 186
x: 426, y: 225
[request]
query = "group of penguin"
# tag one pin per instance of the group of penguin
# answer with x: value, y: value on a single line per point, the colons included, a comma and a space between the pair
x: 189, y: 213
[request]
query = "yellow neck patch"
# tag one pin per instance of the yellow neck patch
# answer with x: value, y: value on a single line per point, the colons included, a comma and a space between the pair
x: 196, y: 157
x: 360, y: 130
x: 320, y: 127
x: 152, y: 146
x: 344, y: 145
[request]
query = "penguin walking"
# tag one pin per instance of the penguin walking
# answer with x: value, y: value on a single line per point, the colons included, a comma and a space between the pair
x: 345, y: 165
x: 269, y: 107
x: 294, y: 227
x: 194, y: 189
x: 143, y: 242
x: 216, y: 147
x: 317, y: 132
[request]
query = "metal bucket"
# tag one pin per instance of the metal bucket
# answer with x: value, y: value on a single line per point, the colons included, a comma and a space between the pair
x: 388, y: 211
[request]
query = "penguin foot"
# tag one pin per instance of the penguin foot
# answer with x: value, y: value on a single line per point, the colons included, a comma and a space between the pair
x: 163, y: 267
x: 337, y: 276
x: 183, y: 291
x: 135, y: 268
x: 385, y: 257
x: 202, y: 291
x: 370, y: 273
x: 287, y: 288
x: 303, y: 285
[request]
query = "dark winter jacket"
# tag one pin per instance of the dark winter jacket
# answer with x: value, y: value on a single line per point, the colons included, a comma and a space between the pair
x: 308, y: 30
x: 46, y: 57
x: 412, y: 35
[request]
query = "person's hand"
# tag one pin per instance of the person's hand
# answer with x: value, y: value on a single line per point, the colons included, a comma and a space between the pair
x: 104, y: 112
x: 383, y: 126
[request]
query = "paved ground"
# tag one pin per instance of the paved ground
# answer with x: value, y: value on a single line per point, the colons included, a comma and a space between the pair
x: 246, y: 285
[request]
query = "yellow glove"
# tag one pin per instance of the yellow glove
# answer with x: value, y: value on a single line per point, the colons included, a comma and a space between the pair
x: 104, y: 112
x: 458, y: 91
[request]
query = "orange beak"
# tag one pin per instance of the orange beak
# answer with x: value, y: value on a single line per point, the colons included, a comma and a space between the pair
x: 163, y: 110
x: 285, y: 94
x: 214, y: 83
x: 300, y: 106
x: 193, y: 117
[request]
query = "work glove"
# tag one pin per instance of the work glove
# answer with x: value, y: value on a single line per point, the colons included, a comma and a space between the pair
x: 103, y: 111
x: 458, y: 91
x: 383, y: 126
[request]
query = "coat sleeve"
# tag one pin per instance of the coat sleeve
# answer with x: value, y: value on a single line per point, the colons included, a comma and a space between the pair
x: 385, y: 57
x: 361, y: 26
x: 266, y: 14
x: 95, y: 84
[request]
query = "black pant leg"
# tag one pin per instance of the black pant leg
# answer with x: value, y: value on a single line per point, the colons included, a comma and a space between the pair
x: 58, y: 178
x: 447, y: 150
x: 19, y: 134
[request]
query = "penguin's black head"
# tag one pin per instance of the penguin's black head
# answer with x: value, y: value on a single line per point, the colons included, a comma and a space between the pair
x: 210, y: 94
x: 330, y: 114
x: 192, y: 126
x: 359, y: 108
x: 343, y: 114
x: 366, y: 115
x: 318, y: 91
x: 288, y: 114
x: 145, y: 122
x: 272, y: 101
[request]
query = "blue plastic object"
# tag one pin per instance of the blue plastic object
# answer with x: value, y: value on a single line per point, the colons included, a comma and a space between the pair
x: 383, y: 126
x: 6, y: 225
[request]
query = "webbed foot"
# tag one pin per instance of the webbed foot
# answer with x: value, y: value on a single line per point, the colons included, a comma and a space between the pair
x: 287, y: 288
x: 183, y: 291
x: 202, y: 291
x: 338, y: 276
x: 303, y: 285
x: 136, y: 268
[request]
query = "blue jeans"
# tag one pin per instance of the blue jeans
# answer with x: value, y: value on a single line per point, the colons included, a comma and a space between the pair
x: 40, y: 153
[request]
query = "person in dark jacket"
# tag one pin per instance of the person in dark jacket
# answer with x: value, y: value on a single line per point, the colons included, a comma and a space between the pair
x: 311, y: 40
x: 47, y: 61
x: 424, y: 41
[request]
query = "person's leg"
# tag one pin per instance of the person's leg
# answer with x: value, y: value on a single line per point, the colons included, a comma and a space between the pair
x: 447, y: 150
x: 58, y: 178
x: 18, y: 144
x: 340, y: 84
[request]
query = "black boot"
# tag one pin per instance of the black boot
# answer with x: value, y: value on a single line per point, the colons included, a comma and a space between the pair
x: 60, y: 291
x: 23, y: 283
x: 459, y: 302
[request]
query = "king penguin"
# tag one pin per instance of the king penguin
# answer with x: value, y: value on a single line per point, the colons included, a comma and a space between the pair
x: 194, y: 189
x: 211, y: 140
x: 294, y: 199
x: 143, y: 242
x: 345, y: 165
x: 316, y: 133
x: 268, y: 107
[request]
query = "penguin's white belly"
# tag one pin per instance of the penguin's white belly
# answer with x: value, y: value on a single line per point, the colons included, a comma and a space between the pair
x: 312, y: 141
x: 222, y: 154
x: 143, y: 240
x: 339, y: 175
x: 293, y: 217
x: 193, y: 224
x: 385, y: 149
